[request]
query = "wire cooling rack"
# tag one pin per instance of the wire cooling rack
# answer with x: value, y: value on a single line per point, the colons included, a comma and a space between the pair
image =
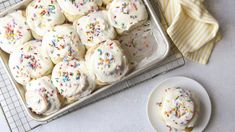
x: 17, y: 119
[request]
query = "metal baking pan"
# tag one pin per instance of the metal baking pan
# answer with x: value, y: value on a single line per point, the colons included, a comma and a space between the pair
x: 162, y: 42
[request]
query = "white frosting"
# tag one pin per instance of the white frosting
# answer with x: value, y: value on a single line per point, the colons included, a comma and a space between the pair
x: 179, y: 109
x: 94, y: 28
x: 79, y: 7
x: 139, y: 44
x: 14, y: 31
x: 73, y: 80
x: 126, y: 14
x: 62, y: 42
x: 42, y: 97
x: 107, y: 61
x: 42, y: 15
x: 29, y: 61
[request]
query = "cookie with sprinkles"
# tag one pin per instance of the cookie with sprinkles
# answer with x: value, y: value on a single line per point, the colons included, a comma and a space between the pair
x: 74, y: 9
x: 94, y: 28
x: 125, y: 15
x: 29, y: 62
x: 62, y: 42
x: 42, y: 15
x: 42, y: 97
x: 73, y: 80
x: 108, y: 62
x: 179, y: 109
x: 14, y: 31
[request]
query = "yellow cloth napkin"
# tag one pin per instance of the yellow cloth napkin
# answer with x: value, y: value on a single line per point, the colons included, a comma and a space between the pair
x: 191, y: 27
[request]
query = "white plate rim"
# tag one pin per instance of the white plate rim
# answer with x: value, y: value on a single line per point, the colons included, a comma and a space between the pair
x: 178, y: 77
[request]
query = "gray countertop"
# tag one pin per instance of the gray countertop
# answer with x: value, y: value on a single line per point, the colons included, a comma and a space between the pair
x: 126, y: 111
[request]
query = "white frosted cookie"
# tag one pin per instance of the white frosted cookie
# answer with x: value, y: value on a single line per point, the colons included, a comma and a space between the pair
x: 42, y: 15
x: 62, y: 42
x: 125, y: 15
x: 42, y: 97
x: 29, y: 62
x: 74, y: 9
x: 94, y: 28
x: 108, y: 62
x: 179, y: 109
x: 73, y: 80
x: 14, y: 31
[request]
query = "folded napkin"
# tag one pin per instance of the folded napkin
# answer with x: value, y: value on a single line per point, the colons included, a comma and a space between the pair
x: 191, y: 27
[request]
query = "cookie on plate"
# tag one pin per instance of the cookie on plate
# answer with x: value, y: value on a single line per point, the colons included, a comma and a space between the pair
x: 179, y: 109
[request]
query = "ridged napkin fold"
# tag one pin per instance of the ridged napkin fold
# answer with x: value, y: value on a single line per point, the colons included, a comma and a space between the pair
x: 191, y: 27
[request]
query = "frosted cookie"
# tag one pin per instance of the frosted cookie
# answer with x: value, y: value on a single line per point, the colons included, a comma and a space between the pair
x: 94, y: 28
x: 125, y: 15
x: 179, y: 109
x: 108, y: 62
x: 73, y: 80
x: 29, y: 62
x: 42, y: 97
x: 62, y: 42
x: 14, y: 31
x: 74, y: 9
x: 42, y: 15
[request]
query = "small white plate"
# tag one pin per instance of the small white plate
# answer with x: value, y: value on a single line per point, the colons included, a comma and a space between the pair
x: 185, y: 83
